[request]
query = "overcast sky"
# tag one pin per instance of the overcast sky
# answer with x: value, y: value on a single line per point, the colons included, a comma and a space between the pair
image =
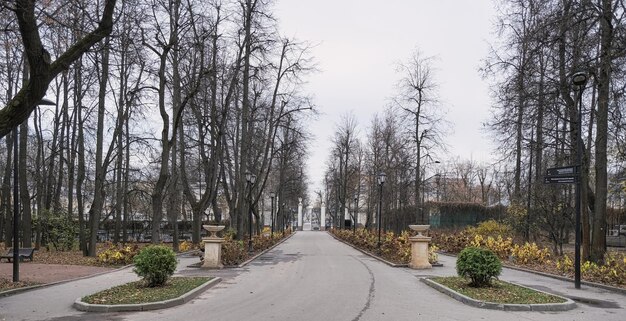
x: 361, y: 41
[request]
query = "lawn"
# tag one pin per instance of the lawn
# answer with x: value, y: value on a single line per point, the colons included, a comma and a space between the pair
x: 498, y: 292
x: 138, y: 292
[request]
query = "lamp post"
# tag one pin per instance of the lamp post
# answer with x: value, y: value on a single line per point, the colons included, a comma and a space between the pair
x: 250, y: 179
x: 423, y: 202
x: 356, y: 211
x: 579, y: 80
x: 530, y: 185
x: 381, y: 181
x: 284, y: 217
x: 272, y: 195
x: 16, y: 201
x: 16, y: 212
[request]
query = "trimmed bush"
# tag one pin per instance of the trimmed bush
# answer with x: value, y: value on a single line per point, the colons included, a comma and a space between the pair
x: 155, y: 264
x: 479, y: 265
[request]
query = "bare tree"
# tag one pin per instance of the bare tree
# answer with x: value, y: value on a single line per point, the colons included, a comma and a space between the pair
x: 418, y: 97
x: 41, y: 67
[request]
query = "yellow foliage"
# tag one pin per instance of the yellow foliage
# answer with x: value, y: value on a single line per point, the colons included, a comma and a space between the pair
x: 185, y: 246
x: 433, y: 257
x: 530, y: 253
x: 115, y: 254
x: 501, y: 247
x: 490, y: 228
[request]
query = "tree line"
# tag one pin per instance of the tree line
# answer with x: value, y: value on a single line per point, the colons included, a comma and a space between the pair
x: 161, y: 111
x: 539, y: 46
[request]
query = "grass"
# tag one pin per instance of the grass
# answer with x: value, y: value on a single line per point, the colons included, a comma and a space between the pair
x: 498, y: 292
x: 137, y: 292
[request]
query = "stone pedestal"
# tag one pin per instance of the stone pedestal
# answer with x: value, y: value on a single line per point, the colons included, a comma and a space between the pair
x: 419, y: 248
x: 213, y: 247
x: 419, y: 252
x: 213, y: 252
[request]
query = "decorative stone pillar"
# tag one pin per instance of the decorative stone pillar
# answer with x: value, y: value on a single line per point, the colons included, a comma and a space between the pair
x: 419, y: 248
x: 213, y: 247
x: 299, y: 213
x: 323, y: 217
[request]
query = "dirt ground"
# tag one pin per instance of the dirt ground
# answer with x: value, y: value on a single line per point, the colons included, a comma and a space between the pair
x: 48, y: 273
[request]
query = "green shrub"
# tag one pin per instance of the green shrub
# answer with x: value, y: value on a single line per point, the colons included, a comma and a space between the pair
x: 57, y: 230
x: 155, y: 264
x: 479, y: 265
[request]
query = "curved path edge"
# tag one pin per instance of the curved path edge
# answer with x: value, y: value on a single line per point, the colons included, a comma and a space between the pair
x: 45, y: 285
x: 567, y: 305
x: 87, y: 307
x: 263, y: 252
x: 367, y: 253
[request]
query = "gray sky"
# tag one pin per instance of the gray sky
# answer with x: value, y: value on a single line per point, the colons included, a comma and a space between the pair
x: 361, y: 42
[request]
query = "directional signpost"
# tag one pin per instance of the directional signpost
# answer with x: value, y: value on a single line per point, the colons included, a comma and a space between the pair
x: 569, y: 175
x: 560, y: 179
x: 561, y: 175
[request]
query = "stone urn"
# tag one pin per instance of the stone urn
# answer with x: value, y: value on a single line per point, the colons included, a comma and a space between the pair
x: 213, y: 229
x: 419, y: 248
x: 213, y: 247
x: 419, y: 228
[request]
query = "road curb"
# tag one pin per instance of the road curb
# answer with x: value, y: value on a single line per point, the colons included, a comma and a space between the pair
x: 87, y: 307
x: 45, y: 285
x: 366, y: 252
x: 552, y: 307
x: 198, y: 266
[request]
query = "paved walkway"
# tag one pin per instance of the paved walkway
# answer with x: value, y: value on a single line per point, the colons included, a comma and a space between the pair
x: 314, y: 277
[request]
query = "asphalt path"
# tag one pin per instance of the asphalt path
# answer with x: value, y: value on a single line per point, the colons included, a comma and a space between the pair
x: 312, y: 276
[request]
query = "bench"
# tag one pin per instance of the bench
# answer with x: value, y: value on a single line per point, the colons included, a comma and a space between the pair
x: 24, y: 253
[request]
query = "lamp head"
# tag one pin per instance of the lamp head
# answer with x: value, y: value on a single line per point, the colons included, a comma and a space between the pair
x: 381, y: 178
x: 579, y: 78
x: 46, y: 102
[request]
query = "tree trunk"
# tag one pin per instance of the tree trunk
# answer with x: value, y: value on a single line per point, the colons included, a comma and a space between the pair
x: 24, y: 193
x: 598, y: 246
x: 80, y: 177
x: 98, y: 198
x: 6, y: 193
x: 23, y: 179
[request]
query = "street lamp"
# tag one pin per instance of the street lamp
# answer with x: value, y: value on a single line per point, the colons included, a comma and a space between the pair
x: 16, y: 201
x: 272, y: 195
x: 284, y: 217
x: 579, y: 80
x: 381, y: 181
x: 356, y: 211
x: 423, y: 201
x: 250, y: 179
